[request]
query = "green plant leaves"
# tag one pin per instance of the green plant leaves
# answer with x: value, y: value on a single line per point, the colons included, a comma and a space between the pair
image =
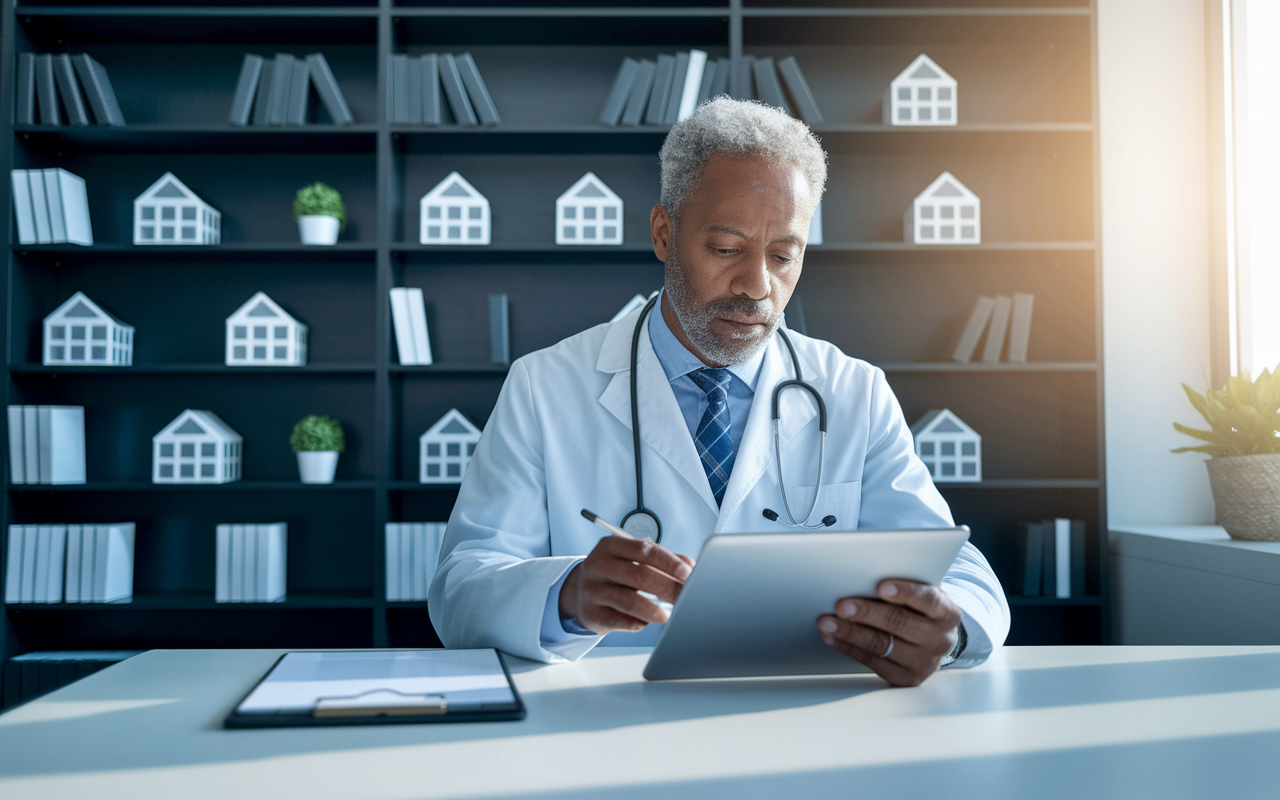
x: 320, y: 199
x: 317, y: 433
x: 1244, y: 417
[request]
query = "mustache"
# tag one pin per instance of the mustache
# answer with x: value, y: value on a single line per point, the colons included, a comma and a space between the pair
x: 743, y: 306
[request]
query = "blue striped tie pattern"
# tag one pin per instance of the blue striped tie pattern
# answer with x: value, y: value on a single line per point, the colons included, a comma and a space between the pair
x: 715, y: 446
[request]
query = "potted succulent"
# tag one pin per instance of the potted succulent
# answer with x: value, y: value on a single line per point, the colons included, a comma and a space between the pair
x: 1244, y: 442
x: 317, y: 440
x: 320, y: 212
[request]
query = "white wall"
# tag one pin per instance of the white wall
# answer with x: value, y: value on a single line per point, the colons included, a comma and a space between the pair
x: 1154, y: 254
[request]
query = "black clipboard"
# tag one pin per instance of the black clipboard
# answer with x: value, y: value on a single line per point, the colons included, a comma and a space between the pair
x: 380, y: 687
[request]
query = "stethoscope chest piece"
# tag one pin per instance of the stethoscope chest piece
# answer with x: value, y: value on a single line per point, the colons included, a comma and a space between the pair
x: 642, y: 524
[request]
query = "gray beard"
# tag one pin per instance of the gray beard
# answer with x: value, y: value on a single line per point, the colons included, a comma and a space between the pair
x: 696, y: 321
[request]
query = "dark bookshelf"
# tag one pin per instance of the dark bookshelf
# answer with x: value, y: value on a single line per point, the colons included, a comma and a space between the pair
x: 1026, y: 144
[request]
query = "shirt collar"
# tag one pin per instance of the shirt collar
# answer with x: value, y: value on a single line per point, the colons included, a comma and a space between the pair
x: 677, y: 361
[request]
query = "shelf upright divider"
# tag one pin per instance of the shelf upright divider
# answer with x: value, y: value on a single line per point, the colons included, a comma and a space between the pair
x: 384, y: 425
x: 8, y: 57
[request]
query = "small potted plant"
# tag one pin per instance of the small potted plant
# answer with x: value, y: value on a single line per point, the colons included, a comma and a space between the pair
x: 317, y: 440
x: 1244, y: 442
x: 320, y: 212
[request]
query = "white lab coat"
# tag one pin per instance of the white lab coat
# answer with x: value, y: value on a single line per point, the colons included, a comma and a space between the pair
x: 559, y: 440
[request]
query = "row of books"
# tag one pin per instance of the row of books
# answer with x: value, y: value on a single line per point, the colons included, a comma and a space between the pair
x: 51, y: 206
x: 251, y: 563
x: 1001, y: 317
x: 46, y: 444
x: 70, y: 563
x: 413, y: 342
x: 413, y: 548
x: 1051, y: 558
x: 278, y: 91
x: 668, y: 89
x: 45, y: 79
x: 415, y: 84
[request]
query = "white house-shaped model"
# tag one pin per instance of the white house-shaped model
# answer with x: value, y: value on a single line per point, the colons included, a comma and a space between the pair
x: 922, y: 94
x: 446, y: 448
x: 454, y: 213
x: 197, y: 447
x: 80, y: 332
x: 949, y: 448
x: 589, y: 213
x: 170, y: 213
x: 262, y: 334
x: 945, y: 213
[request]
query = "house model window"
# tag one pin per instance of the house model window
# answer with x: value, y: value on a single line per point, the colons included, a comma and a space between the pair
x: 80, y: 332
x: 945, y: 213
x: 262, y: 334
x: 197, y: 447
x: 454, y: 213
x: 589, y: 213
x: 446, y: 449
x: 170, y: 213
x: 948, y: 447
x: 922, y: 94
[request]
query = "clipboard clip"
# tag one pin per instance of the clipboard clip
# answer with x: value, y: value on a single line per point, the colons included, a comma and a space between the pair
x: 381, y: 703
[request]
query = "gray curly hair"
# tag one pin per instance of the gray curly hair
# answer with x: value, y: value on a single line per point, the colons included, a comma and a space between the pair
x: 739, y: 128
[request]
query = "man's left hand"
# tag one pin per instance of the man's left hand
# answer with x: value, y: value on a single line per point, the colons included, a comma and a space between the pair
x: 902, y: 636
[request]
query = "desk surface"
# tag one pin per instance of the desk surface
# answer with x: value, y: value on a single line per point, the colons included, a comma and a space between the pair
x: 1044, y: 722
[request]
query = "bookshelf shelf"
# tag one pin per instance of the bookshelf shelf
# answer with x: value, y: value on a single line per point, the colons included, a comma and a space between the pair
x: 1004, y: 366
x: 193, y: 369
x: 235, y: 486
x: 1020, y: 600
x: 1024, y: 483
x: 203, y: 602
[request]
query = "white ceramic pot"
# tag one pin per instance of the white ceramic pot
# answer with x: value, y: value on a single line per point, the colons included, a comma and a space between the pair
x: 318, y: 229
x: 317, y: 466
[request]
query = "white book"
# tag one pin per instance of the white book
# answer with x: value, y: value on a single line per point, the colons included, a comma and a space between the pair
x: 692, y: 82
x: 972, y: 331
x: 1062, y: 556
x: 40, y: 207
x: 30, y: 546
x: 400, y: 321
x: 115, y: 553
x: 406, y: 561
x: 418, y: 325
x: 13, y: 565
x: 44, y: 546
x: 75, y: 207
x: 57, y: 563
x: 815, y: 226
x: 250, y: 567
x: 31, y: 442
x: 22, y: 208
x: 17, y: 454
x: 62, y: 444
x: 999, y: 326
x: 270, y: 585
x: 419, y: 561
x: 237, y: 563
x: 53, y: 196
x: 222, y: 564
x: 71, y: 581
x: 88, y: 563
x: 1020, y: 327
x: 391, y: 573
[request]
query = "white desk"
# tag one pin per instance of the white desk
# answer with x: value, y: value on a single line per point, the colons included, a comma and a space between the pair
x: 1078, y: 722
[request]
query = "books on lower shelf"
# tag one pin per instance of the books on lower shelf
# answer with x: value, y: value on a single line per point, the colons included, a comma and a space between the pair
x: 46, y: 444
x: 53, y: 83
x: 1004, y: 319
x: 50, y: 206
x: 413, y: 548
x: 409, y: 319
x: 1051, y: 559
x: 278, y: 91
x: 70, y: 563
x: 421, y: 88
x: 251, y: 562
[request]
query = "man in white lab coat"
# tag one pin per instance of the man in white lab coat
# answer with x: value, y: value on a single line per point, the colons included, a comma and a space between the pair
x: 522, y: 571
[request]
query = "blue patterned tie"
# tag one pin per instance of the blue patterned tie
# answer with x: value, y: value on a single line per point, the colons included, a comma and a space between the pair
x: 715, y: 446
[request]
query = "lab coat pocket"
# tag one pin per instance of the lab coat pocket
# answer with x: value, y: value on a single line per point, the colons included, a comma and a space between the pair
x: 840, y: 500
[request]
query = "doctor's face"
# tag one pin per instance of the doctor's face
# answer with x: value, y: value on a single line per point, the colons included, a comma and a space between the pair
x: 733, y: 260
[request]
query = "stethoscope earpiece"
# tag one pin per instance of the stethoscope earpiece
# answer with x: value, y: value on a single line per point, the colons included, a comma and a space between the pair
x: 826, y: 522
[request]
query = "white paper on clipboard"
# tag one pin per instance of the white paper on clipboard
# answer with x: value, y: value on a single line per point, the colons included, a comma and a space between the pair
x: 466, y: 679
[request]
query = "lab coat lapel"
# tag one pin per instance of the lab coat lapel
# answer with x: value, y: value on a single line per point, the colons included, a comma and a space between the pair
x: 755, y: 454
x: 662, y: 426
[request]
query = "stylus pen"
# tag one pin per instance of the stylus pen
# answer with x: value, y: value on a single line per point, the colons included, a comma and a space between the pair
x: 616, y: 531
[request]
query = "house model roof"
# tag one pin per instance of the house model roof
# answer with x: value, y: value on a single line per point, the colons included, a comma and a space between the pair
x: 261, y: 307
x: 199, y: 423
x: 454, y: 185
x: 924, y: 68
x: 589, y: 187
x: 946, y: 185
x: 79, y: 306
x: 452, y: 424
x: 941, y: 421
x: 168, y: 188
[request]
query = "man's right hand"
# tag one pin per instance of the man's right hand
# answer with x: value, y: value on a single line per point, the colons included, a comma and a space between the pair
x: 601, y: 592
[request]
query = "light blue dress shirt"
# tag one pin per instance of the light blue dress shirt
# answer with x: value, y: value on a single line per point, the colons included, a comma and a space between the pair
x: 677, y: 362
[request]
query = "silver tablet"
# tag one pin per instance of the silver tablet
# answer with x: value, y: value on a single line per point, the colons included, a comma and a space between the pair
x: 751, y: 606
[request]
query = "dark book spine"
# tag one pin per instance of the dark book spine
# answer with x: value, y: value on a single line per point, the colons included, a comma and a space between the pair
x: 47, y: 91
x: 25, y: 100
x: 661, y: 90
x: 741, y: 82
x: 262, y: 103
x: 280, y: 80
x: 400, y: 96
x: 767, y: 86
x: 413, y: 91
x: 242, y: 101
x: 1049, y: 579
x: 1030, y: 558
x: 639, y: 98
x: 454, y: 91
x: 720, y: 84
x: 1078, y: 573
x: 299, y: 93
x: 92, y: 89
x: 798, y: 88
x: 704, y: 88
x: 617, y: 100
x: 327, y: 87
x: 478, y: 92
x: 499, y: 329
x: 430, y: 67
x: 114, y: 115
x: 678, y: 76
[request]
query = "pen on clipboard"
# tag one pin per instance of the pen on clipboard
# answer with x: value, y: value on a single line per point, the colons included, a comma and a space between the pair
x: 614, y: 530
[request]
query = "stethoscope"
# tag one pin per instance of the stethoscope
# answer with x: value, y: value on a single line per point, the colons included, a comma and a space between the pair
x: 644, y: 524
